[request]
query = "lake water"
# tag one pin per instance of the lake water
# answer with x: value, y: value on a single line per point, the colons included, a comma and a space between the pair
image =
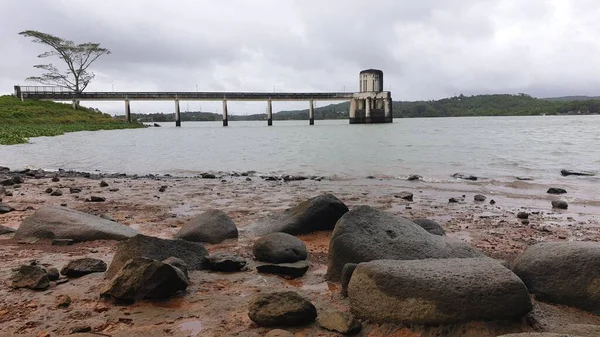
x: 497, y: 148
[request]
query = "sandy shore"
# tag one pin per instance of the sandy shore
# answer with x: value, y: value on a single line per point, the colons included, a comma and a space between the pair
x: 216, y: 304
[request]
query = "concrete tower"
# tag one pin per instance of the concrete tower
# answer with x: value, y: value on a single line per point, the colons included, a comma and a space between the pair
x: 371, y: 104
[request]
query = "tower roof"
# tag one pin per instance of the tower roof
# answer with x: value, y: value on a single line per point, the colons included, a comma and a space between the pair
x: 372, y: 71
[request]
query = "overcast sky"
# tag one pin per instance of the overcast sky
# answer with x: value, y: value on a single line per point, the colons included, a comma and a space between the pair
x: 427, y: 49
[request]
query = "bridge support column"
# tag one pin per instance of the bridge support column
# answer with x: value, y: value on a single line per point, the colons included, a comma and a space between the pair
x: 225, y: 114
x: 387, y: 108
x: 311, y: 113
x: 269, y: 113
x: 368, y: 107
x: 127, y: 111
x: 177, y: 114
x: 75, y: 104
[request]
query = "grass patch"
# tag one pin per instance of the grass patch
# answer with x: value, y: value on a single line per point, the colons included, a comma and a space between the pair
x: 18, y: 134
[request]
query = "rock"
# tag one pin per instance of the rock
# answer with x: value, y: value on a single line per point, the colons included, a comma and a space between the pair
x: 212, y: 226
x: 404, y: 195
x: 4, y: 208
x: 279, y: 248
x: 453, y: 200
x: 18, y: 180
x: 94, y: 198
x: 225, y: 262
x: 576, y: 173
x: 464, y: 176
x: 293, y: 270
x: 162, y: 189
x: 6, y: 230
x: 74, y: 190
x: 56, y: 193
x: 192, y: 253
x: 555, y: 190
x: 103, y: 184
x: 208, y: 176
x: 560, y: 204
x: 437, y: 291
x: 113, y: 190
x: 177, y: 263
x: 342, y: 322
x: 414, y: 177
x: 62, y: 223
x: 586, y: 330
x: 63, y: 301
x: 279, y: 333
x: 318, y: 213
x: 53, y: 274
x: 4, y: 169
x: 55, y: 179
x: 430, y: 226
x: 80, y: 328
x: 145, y: 278
x: 62, y: 242
x: 32, y: 277
x: 525, y: 178
x: 248, y: 179
x: 479, y: 198
x: 525, y: 222
x: 156, y: 125
x: 347, y: 272
x: 82, y: 267
x: 7, y: 182
x: 366, y: 234
x: 539, y: 334
x: 563, y: 273
x: 523, y: 215
x: 281, y: 309
x: 49, y: 190
x: 492, y: 202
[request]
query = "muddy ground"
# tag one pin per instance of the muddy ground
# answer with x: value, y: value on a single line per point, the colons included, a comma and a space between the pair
x: 216, y: 303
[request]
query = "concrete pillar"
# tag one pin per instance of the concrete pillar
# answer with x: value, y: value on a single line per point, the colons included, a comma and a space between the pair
x: 387, y: 107
x: 311, y: 113
x: 269, y: 113
x: 75, y: 104
x: 177, y: 114
x: 352, y: 112
x: 225, y: 115
x: 368, y: 107
x: 127, y: 111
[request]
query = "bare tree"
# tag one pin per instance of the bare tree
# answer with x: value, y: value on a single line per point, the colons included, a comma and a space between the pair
x: 77, y: 58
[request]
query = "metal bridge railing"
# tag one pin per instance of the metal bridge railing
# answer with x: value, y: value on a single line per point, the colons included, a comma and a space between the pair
x: 42, y: 89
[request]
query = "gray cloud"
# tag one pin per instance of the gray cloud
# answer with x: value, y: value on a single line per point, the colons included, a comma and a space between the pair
x: 427, y: 49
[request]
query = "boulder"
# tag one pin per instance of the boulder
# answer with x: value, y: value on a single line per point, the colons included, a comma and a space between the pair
x: 437, y: 291
x: 53, y: 222
x: 479, y: 198
x: 366, y: 234
x: 279, y: 248
x: 293, y: 270
x: 6, y: 230
x: 82, y: 267
x: 144, y: 278
x: 192, y: 253
x: 318, y: 213
x: 523, y: 215
x: 31, y: 277
x: 177, y: 263
x: 225, y: 262
x: 560, y: 204
x: 430, y: 226
x: 56, y: 193
x: 347, y: 272
x: 212, y: 226
x: 414, y: 177
x: 342, y: 322
x: 281, y: 309
x: 565, y: 173
x: 4, y: 208
x: 563, y: 273
x: 555, y: 190
x: 53, y: 274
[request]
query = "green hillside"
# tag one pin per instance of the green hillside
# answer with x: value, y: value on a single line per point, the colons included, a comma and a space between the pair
x: 22, y: 120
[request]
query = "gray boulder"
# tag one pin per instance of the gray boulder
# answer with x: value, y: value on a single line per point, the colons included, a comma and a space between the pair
x: 177, y: 263
x: 556, y: 190
x: 31, y: 277
x: 4, y: 208
x: 342, y: 322
x: 563, y: 273
x: 281, y: 309
x: 347, y: 272
x: 293, y: 270
x: 192, y: 253
x: 82, y: 267
x: 366, y: 234
x: 430, y: 226
x: 437, y: 291
x: 318, y: 213
x: 52, y: 222
x: 279, y: 248
x: 212, y: 226
x: 560, y: 204
x: 144, y: 278
x: 6, y: 230
x: 225, y: 262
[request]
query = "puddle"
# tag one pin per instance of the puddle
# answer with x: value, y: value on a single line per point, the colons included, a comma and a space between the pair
x: 192, y: 327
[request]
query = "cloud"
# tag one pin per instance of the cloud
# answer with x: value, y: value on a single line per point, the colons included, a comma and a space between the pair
x: 427, y: 49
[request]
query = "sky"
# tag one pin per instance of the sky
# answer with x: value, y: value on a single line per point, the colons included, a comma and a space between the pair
x: 427, y: 49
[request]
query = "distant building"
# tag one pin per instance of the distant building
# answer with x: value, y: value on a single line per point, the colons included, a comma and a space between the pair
x: 371, y: 104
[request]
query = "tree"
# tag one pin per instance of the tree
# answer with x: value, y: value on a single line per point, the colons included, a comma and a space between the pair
x: 77, y: 58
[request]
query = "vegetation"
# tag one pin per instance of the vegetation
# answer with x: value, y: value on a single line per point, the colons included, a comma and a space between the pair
x: 76, y: 57
x: 22, y: 120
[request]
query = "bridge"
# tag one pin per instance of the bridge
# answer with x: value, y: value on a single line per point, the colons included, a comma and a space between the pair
x: 370, y: 105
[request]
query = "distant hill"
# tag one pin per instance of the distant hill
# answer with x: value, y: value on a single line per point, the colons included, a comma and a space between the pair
x: 572, y: 98
x: 477, y: 105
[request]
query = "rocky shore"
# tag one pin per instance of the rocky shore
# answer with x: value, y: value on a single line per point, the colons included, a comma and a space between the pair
x: 239, y: 254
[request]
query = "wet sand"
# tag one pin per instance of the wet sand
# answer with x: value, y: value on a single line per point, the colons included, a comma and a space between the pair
x: 216, y: 303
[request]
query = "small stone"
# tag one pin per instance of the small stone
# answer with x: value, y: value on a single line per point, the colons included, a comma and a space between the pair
x: 452, y: 200
x: 80, y: 329
x: 208, y: 176
x: 62, y: 242
x: 113, y: 190
x: 95, y: 199
x: 74, y: 190
x: 414, y: 177
x: 63, y: 301
x: 56, y: 193
x: 4, y: 208
x: 53, y: 274
x: 525, y: 222
x: 555, y: 190
x: 248, y: 179
x: 342, y: 322
x: 55, y: 179
x: 84, y: 266
x: 479, y: 198
x: 49, y: 190
x: 18, y: 180
x: 103, y: 184
x: 162, y: 189
x: 43, y: 334
x: 523, y: 215
x: 281, y: 309
x: 560, y: 204
x: 32, y: 277
x: 404, y: 195
x: 492, y: 202
x: 292, y: 270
